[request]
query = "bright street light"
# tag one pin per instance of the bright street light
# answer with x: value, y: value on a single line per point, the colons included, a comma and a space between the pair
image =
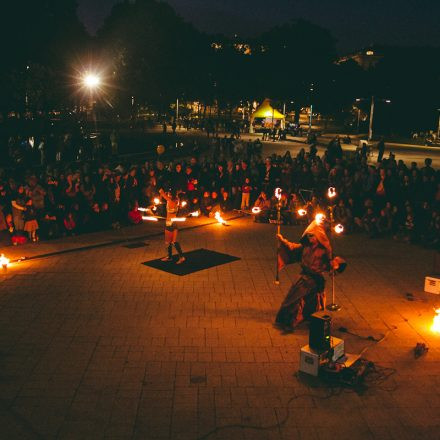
x: 91, y: 81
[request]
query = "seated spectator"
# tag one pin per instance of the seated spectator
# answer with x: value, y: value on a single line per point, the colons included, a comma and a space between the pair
x: 384, y: 223
x: 134, y: 215
x: 225, y: 202
x: 369, y: 223
x: 264, y: 204
x: 70, y: 224
x: 206, y: 204
x: 409, y: 227
x: 343, y: 215
x: 49, y: 225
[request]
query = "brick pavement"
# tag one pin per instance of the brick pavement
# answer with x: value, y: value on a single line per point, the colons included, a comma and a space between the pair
x: 94, y: 345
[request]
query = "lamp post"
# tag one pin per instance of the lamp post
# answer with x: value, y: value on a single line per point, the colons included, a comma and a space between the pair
x: 311, y: 108
x: 358, y: 119
x: 438, y: 126
x: 177, y: 110
x: 370, y: 126
x: 92, y: 82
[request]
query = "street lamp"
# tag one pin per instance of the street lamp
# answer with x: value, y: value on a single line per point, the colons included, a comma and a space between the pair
x: 438, y: 126
x: 91, y: 81
x: 311, y: 108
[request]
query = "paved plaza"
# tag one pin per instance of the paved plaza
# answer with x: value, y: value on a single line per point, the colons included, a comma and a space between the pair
x: 95, y: 345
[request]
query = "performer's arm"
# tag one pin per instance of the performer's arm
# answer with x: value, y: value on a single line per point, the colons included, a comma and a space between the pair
x: 163, y: 194
x: 289, y: 244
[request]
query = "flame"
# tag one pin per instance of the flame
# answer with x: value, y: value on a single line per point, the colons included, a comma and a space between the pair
x: 436, y: 322
x: 219, y: 218
x: 331, y: 192
x: 195, y: 214
x: 4, y: 261
x: 339, y: 228
x: 302, y: 212
x: 178, y: 219
x: 183, y: 204
x: 156, y: 200
x: 142, y: 209
x: 256, y: 210
x: 150, y: 218
x: 278, y: 192
x: 319, y: 218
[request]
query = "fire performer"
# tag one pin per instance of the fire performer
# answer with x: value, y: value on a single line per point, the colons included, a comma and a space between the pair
x: 306, y: 295
x: 171, y: 226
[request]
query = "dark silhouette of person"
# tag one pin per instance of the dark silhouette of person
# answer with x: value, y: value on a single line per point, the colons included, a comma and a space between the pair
x: 380, y: 149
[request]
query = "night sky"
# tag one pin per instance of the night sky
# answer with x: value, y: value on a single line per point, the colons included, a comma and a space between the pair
x: 354, y: 23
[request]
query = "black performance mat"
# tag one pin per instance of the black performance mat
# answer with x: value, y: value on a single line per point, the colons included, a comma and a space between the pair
x: 196, y: 260
x: 136, y: 245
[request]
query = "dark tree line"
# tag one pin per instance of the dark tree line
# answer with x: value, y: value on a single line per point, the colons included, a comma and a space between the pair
x: 148, y: 52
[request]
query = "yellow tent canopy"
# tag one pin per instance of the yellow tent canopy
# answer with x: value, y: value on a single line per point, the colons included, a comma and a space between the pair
x: 267, y: 112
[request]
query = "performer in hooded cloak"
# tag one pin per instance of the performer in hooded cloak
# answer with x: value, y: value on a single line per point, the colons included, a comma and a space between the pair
x: 306, y: 295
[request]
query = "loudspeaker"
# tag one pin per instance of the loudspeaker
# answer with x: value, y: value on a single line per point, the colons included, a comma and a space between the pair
x: 320, y: 331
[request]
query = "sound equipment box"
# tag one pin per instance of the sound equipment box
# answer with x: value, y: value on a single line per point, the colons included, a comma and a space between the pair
x: 320, y: 331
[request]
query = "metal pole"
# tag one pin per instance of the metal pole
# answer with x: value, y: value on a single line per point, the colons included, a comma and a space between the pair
x: 359, y: 118
x: 277, y: 277
x: 333, y: 306
x: 370, y: 128
x: 438, y: 127
x: 310, y: 119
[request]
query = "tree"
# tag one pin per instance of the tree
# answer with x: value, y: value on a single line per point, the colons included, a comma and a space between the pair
x: 39, y: 39
x: 155, y: 55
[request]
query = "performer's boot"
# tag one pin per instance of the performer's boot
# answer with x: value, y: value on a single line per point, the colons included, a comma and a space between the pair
x: 180, y: 253
x: 169, y: 257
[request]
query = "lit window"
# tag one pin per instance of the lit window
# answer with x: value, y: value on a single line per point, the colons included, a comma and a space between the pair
x: 370, y: 52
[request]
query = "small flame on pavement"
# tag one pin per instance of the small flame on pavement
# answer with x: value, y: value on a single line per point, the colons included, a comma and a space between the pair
x: 256, y: 210
x: 195, y: 214
x: 219, y: 218
x: 302, y: 212
x: 436, y: 322
x: 4, y: 261
x: 178, y: 219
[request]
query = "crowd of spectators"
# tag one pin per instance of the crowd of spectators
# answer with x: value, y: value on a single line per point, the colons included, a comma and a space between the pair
x: 389, y: 198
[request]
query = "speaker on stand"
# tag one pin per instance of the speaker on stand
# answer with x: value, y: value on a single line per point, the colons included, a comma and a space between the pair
x: 320, y: 331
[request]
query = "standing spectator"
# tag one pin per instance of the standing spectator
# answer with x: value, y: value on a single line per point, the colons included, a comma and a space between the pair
x: 380, y: 149
x: 246, y: 193
x: 30, y: 221
x: 18, y: 203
